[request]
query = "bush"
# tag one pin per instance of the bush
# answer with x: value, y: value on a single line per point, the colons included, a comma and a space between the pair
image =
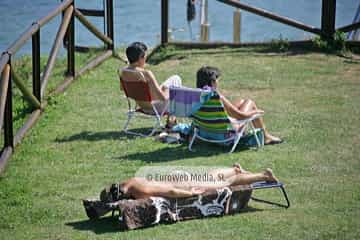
x: 335, y: 44
x: 281, y: 44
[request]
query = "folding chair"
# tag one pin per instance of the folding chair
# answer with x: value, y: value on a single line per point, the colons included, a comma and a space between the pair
x: 210, y: 121
x: 137, y: 89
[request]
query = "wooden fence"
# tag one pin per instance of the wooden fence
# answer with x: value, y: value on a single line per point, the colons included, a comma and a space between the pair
x: 327, y: 30
x: 36, y: 97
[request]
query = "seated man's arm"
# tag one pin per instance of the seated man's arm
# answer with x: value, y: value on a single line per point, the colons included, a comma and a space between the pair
x: 160, y: 95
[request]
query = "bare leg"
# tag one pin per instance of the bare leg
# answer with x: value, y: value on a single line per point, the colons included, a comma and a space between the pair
x: 223, y: 173
x: 141, y: 188
x: 243, y: 179
x: 249, y: 105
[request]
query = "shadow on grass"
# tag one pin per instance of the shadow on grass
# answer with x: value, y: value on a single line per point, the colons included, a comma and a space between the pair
x: 179, y: 152
x: 249, y: 209
x: 168, y: 153
x: 111, y: 224
x: 98, y: 226
x: 98, y: 136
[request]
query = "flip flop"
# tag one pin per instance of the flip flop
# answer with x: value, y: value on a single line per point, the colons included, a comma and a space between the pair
x: 273, y: 142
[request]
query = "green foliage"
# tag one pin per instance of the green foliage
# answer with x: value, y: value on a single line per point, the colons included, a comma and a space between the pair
x: 280, y: 45
x: 331, y: 45
x: 165, y: 53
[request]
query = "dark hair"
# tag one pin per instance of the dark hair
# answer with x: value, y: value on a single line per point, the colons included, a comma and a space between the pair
x: 112, y: 194
x: 135, y: 51
x: 206, y: 75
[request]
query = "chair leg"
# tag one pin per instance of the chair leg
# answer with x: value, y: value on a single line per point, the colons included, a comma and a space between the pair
x: 193, y: 139
x: 156, y: 126
x: 236, y: 141
x: 130, y: 115
x: 256, y: 136
x: 275, y: 203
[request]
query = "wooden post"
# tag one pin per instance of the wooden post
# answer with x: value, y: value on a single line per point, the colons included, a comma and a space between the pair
x: 8, y: 116
x: 164, y: 21
x: 23, y: 89
x: 91, y: 27
x: 205, y: 26
x: 36, y: 64
x: 270, y: 15
x: 57, y: 10
x: 4, y: 86
x: 110, y: 23
x: 55, y: 48
x: 70, y: 39
x: 204, y: 36
x: 328, y: 18
x: 237, y: 25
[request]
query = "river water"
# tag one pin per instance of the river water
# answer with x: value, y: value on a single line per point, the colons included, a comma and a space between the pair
x: 140, y: 20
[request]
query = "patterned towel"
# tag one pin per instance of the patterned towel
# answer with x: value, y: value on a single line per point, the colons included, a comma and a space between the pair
x: 184, y: 101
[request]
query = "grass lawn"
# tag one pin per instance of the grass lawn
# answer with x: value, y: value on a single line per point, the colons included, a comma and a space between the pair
x: 312, y: 100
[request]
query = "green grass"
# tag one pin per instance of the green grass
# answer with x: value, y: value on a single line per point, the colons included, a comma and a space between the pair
x: 312, y: 100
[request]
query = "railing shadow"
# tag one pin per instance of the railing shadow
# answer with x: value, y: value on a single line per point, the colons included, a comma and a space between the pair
x: 98, y: 136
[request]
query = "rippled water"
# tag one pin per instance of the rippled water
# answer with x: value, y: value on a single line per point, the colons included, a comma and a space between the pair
x: 140, y: 20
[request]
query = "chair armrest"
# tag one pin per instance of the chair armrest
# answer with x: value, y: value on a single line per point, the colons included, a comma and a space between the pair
x: 246, y: 120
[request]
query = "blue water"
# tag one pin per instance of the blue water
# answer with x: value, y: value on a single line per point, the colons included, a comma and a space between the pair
x: 140, y: 20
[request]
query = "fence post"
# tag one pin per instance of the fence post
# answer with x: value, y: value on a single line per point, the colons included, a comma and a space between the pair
x: 36, y: 64
x: 8, y: 116
x: 205, y: 26
x: 164, y: 21
x: 237, y: 25
x: 328, y: 18
x: 70, y: 40
x: 110, y: 22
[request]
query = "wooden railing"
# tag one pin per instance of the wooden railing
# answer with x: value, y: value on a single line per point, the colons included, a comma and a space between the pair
x: 327, y: 30
x: 37, y: 97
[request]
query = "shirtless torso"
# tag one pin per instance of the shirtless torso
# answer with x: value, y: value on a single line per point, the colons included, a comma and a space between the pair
x: 140, y: 74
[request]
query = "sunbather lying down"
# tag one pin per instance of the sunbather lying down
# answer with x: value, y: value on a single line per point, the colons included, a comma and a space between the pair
x: 140, y: 188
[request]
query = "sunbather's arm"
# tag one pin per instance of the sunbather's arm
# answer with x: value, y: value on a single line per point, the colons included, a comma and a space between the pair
x: 236, y: 113
x: 144, y: 190
x: 161, y: 95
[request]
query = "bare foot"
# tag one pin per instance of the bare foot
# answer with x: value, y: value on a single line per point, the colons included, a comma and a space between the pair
x: 270, y: 139
x: 239, y: 169
x: 270, y: 176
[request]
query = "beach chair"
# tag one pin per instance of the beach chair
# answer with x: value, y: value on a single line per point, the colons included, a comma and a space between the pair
x: 140, y: 213
x: 137, y: 89
x: 210, y: 121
